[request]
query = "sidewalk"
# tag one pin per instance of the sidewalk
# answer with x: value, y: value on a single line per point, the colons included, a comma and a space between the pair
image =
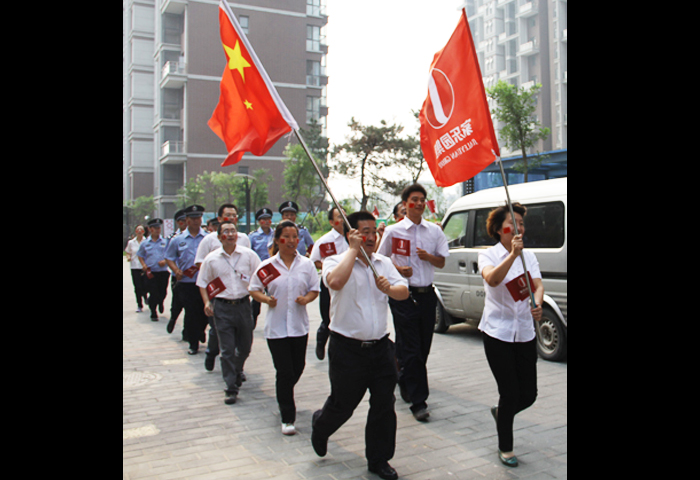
x: 176, y: 425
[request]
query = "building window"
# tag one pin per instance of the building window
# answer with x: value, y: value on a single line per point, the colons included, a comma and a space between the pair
x: 313, y: 109
x: 244, y: 20
x: 313, y: 7
x: 313, y: 73
x: 313, y: 38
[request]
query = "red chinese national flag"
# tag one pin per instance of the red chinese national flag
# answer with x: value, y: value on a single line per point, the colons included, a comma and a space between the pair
x: 250, y: 115
x: 456, y: 131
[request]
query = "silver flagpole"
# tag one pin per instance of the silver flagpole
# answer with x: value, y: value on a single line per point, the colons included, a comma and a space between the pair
x: 328, y: 189
x: 512, y: 216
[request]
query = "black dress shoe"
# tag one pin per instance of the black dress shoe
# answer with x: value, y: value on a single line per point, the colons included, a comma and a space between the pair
x: 209, y: 362
x: 171, y: 325
x: 192, y: 351
x: 384, y: 470
x: 319, y: 443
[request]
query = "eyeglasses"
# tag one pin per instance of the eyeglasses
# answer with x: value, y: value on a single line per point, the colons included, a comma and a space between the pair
x: 229, y: 231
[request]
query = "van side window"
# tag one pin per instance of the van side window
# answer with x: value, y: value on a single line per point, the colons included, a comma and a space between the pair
x: 455, y: 229
x: 544, y: 225
x: 481, y: 235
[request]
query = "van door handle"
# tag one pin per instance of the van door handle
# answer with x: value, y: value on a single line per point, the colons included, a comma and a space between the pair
x: 475, y: 267
x: 462, y: 265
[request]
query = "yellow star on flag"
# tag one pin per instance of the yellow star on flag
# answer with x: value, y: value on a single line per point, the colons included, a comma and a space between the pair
x: 236, y: 60
x: 248, y: 105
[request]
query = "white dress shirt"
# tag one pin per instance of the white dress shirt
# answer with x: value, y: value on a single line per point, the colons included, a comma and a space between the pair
x: 211, y: 242
x: 235, y: 271
x: 360, y: 310
x: 504, y: 318
x: 341, y: 245
x: 426, y: 236
x: 288, y: 318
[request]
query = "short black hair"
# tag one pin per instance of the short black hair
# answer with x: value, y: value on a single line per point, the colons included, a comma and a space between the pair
x: 416, y: 187
x: 225, y: 222
x: 227, y: 205
x: 356, y: 218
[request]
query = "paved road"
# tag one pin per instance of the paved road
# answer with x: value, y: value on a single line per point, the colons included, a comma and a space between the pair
x: 176, y: 425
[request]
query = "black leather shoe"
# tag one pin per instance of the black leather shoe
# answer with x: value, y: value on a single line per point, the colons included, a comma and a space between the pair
x: 230, y: 398
x: 171, y: 325
x: 319, y: 443
x: 321, y: 338
x: 209, y: 362
x: 422, y: 415
x: 384, y: 470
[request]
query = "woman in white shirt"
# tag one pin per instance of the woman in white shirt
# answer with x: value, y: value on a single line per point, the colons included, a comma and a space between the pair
x: 507, y: 322
x: 132, y: 247
x: 291, y: 282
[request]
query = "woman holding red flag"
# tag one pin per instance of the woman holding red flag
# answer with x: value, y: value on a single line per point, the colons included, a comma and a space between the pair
x: 507, y: 322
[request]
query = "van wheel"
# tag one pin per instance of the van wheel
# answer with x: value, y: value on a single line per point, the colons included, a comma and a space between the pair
x: 551, y: 339
x: 441, y: 325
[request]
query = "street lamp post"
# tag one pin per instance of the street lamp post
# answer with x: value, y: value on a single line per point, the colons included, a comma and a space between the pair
x: 243, y: 172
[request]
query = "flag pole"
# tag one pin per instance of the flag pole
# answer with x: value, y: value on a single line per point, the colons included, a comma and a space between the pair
x: 512, y: 216
x: 337, y: 205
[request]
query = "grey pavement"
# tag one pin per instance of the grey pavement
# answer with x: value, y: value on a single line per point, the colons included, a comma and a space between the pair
x: 176, y: 425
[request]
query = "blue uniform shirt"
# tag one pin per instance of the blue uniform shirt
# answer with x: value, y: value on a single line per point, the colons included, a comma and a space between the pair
x: 259, y: 242
x: 182, y: 250
x: 305, y: 240
x: 153, y: 252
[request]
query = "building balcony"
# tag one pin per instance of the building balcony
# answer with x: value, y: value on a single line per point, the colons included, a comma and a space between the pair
x: 529, y: 48
x: 173, y: 153
x: 173, y: 6
x: 527, y: 10
x: 173, y: 75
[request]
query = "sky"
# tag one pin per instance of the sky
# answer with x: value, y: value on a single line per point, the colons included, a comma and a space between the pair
x: 379, y: 54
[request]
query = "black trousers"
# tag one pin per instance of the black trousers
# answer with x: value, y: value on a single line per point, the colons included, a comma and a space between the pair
x: 157, y: 290
x: 195, y: 318
x: 138, y: 279
x: 514, y: 365
x: 353, y: 370
x: 414, y: 325
x: 289, y: 358
x: 324, y: 306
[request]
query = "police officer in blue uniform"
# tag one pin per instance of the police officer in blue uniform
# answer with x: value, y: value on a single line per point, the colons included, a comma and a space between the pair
x: 175, y: 305
x: 263, y: 235
x: 152, y: 257
x: 289, y: 212
x: 180, y: 256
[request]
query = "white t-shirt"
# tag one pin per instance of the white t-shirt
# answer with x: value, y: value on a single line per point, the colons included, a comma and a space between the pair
x: 360, y: 310
x: 132, y: 247
x: 288, y: 318
x: 503, y: 317
x: 235, y: 271
x: 426, y: 236
x: 322, y: 245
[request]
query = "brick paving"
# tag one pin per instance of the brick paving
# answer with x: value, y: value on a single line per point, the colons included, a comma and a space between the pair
x: 176, y: 425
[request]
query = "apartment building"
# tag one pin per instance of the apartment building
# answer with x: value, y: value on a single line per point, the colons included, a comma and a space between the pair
x: 172, y: 66
x: 524, y: 42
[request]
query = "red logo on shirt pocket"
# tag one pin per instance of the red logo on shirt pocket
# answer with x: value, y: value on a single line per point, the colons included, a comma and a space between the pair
x: 518, y: 287
x: 267, y: 274
x: 401, y: 246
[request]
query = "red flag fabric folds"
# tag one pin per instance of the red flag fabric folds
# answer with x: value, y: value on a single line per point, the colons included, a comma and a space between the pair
x: 250, y: 115
x: 456, y: 131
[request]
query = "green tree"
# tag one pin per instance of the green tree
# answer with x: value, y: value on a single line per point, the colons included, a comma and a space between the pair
x: 370, y: 155
x: 139, y: 208
x: 212, y: 189
x: 516, y: 109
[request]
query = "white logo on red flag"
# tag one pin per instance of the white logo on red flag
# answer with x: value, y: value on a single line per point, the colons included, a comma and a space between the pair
x: 442, y: 101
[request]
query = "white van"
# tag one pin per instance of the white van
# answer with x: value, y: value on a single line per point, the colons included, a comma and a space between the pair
x: 459, y: 285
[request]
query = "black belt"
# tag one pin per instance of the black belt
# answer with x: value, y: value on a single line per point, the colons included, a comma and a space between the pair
x: 427, y: 289
x: 233, y: 302
x: 358, y: 343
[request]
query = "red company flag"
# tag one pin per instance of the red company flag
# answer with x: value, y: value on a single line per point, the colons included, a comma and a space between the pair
x: 250, y: 115
x: 456, y: 131
x: 375, y: 212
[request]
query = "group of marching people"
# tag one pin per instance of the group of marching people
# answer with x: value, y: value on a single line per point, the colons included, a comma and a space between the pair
x: 221, y: 278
